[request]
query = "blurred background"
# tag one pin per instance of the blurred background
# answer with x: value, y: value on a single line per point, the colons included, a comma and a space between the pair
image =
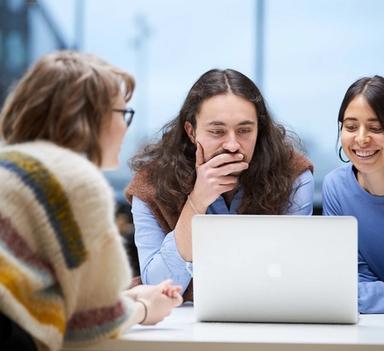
x: 302, y: 54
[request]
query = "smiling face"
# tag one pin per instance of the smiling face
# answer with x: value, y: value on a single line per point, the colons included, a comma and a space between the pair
x: 225, y: 123
x: 362, y: 137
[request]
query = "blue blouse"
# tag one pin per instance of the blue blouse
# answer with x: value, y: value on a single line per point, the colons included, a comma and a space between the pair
x: 344, y: 196
x: 158, y: 255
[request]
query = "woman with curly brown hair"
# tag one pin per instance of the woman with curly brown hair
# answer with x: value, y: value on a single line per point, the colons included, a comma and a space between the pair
x: 222, y: 154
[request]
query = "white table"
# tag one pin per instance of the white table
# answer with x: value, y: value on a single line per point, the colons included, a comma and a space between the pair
x: 179, y: 332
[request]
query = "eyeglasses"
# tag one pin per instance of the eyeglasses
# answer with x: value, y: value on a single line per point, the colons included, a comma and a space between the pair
x: 127, y: 114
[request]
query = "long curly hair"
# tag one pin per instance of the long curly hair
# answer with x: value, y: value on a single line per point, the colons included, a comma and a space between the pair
x: 170, y: 163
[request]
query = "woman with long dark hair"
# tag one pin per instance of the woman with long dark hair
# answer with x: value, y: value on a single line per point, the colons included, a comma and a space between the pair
x: 357, y: 189
x: 222, y: 154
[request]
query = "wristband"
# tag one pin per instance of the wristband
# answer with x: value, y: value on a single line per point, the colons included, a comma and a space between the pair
x: 145, y: 309
x: 192, y: 205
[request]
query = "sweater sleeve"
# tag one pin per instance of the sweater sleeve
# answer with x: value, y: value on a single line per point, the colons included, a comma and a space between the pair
x: 371, y: 289
x: 101, y: 310
x: 97, y: 308
x: 331, y: 206
x: 158, y: 255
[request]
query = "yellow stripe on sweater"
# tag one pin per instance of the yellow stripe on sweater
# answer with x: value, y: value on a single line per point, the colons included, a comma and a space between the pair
x: 46, y: 309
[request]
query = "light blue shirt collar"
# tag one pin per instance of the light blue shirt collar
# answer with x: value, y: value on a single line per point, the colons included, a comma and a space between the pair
x: 220, y: 207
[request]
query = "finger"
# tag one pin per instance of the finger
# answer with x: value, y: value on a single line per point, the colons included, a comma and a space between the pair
x: 177, y: 288
x: 228, y: 180
x: 224, y: 188
x: 231, y: 168
x: 199, y: 154
x: 178, y: 300
x: 165, y: 285
x: 224, y: 158
x: 230, y: 171
x: 167, y: 292
x: 173, y: 291
x: 176, y: 291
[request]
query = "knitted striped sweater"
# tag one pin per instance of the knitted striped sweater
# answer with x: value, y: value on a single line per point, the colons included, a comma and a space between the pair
x: 62, y: 263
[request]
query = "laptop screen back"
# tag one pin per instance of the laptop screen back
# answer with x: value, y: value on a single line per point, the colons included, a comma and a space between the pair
x: 275, y: 268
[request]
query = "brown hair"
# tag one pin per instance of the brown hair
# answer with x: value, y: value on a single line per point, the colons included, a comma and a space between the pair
x: 170, y: 163
x: 64, y: 98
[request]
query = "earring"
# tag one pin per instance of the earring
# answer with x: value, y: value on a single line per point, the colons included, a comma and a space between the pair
x: 341, y: 156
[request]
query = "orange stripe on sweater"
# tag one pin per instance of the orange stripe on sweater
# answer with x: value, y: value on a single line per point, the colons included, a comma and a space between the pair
x: 42, y: 307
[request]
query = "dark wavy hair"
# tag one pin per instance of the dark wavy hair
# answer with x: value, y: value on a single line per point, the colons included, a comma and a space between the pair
x: 372, y: 88
x: 170, y: 163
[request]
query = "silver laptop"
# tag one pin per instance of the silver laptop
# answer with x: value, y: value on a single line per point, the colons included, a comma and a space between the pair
x: 297, y: 269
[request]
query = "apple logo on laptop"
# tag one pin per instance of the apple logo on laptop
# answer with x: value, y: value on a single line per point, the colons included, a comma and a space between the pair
x: 274, y: 270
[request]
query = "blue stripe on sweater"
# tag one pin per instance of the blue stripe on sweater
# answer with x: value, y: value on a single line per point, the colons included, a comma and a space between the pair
x: 51, y: 196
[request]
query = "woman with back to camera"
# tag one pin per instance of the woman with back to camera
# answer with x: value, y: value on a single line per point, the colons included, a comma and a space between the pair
x: 63, y: 269
x: 357, y: 189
